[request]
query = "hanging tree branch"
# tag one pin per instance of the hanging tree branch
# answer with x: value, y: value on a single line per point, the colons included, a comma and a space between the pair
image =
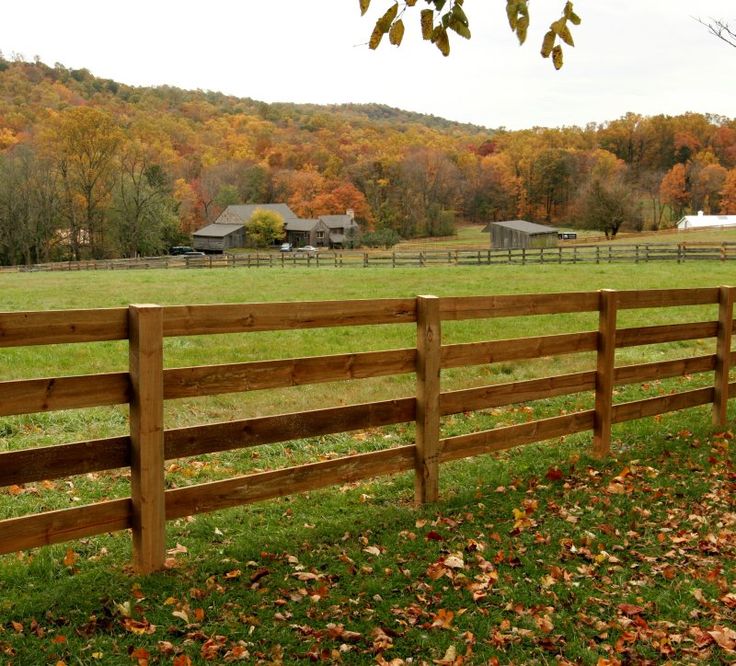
x: 443, y: 16
x: 721, y: 29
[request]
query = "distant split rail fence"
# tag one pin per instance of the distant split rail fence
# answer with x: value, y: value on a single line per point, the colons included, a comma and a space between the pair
x: 148, y: 384
x: 564, y: 254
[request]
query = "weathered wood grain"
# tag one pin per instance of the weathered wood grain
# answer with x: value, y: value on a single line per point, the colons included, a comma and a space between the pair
x: 515, y: 349
x: 64, y: 525
x: 649, y: 335
x: 638, y: 409
x: 147, y: 437
x: 208, y: 319
x: 23, y: 329
x: 723, y: 355
x: 429, y: 343
x: 267, y: 485
x: 645, y: 372
x: 499, y: 439
x: 197, y: 440
x: 604, y: 373
x: 215, y: 379
x: 30, y: 396
x: 660, y: 298
x: 55, y: 462
x: 498, y: 395
x: 517, y: 305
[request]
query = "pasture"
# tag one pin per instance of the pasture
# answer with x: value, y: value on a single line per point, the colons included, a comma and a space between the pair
x: 530, y: 556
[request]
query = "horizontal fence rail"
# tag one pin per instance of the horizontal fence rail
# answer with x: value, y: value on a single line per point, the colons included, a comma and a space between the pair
x: 563, y: 254
x: 147, y: 385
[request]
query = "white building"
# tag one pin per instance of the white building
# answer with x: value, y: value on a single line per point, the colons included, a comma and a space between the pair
x: 701, y: 221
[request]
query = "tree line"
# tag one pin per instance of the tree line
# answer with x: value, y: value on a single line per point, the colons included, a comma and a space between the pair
x: 93, y: 168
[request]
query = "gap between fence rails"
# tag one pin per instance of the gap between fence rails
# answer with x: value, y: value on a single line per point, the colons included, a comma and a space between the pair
x: 147, y: 325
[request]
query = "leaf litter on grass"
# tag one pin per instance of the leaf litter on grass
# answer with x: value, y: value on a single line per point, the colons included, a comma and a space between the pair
x: 624, y: 561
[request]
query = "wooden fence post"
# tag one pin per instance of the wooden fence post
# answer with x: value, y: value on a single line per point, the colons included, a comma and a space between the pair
x: 429, y: 342
x: 608, y: 307
x: 723, y: 354
x: 147, y: 436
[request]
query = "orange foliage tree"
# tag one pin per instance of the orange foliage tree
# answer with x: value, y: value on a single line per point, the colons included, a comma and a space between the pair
x: 728, y: 194
x: 673, y: 189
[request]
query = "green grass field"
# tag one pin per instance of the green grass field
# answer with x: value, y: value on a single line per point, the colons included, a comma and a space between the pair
x: 540, y: 555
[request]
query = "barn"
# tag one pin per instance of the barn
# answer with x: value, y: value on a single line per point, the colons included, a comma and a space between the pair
x: 701, y: 221
x: 521, y: 234
x: 218, y: 237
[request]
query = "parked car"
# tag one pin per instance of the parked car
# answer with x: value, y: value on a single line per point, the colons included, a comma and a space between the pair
x: 285, y: 247
x: 193, y: 253
x: 180, y: 249
x: 309, y: 248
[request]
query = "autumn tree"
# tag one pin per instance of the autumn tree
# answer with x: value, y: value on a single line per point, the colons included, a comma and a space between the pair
x: 728, y: 194
x: 607, y: 207
x: 264, y: 228
x: 649, y: 183
x: 493, y: 191
x: 143, y: 209
x: 428, y: 186
x: 299, y: 188
x: 84, y: 142
x: 706, y: 182
x: 29, y: 207
x: 340, y: 197
x: 552, y: 181
x: 187, y: 209
x: 674, y: 190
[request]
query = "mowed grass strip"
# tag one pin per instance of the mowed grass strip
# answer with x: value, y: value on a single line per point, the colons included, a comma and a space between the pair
x: 533, y: 556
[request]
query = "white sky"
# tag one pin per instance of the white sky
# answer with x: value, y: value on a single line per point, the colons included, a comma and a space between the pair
x: 644, y: 56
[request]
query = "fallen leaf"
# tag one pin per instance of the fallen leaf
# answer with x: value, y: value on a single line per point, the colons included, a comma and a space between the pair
x: 70, y: 558
x: 454, y: 562
x: 725, y: 637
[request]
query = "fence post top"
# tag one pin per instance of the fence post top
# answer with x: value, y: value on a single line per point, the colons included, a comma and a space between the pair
x: 144, y: 306
x: 427, y: 296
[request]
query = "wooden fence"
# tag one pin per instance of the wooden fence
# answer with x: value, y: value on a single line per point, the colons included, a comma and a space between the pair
x: 564, y: 254
x: 146, y: 385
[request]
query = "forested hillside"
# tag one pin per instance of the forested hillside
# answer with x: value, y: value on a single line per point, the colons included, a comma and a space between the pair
x: 91, y: 167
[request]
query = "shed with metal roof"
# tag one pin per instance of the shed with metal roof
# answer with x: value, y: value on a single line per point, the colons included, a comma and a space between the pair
x: 218, y: 237
x: 521, y: 234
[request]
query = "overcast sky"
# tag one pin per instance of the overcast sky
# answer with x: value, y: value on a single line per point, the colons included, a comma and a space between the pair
x: 644, y: 56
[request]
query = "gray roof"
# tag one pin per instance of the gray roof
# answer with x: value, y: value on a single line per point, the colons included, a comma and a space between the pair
x: 530, y: 228
x: 243, y: 212
x: 300, y: 225
x: 218, y: 230
x: 333, y: 221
